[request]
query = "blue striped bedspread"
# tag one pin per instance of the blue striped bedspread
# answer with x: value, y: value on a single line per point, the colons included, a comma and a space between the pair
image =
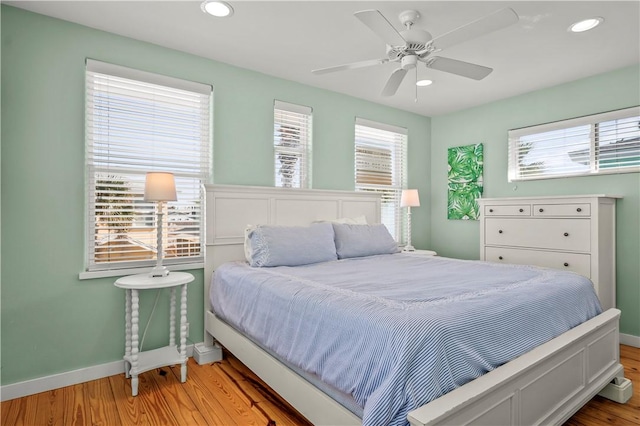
x: 397, y: 331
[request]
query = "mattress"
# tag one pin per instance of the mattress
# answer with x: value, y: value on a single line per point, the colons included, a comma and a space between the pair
x: 397, y: 331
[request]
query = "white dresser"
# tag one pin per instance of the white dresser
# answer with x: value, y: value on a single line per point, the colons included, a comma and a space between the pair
x: 575, y: 233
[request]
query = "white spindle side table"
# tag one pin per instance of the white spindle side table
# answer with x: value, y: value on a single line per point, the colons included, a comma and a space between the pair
x: 135, y: 361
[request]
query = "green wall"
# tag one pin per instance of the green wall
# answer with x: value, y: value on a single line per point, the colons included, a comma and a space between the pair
x: 489, y: 124
x: 53, y: 322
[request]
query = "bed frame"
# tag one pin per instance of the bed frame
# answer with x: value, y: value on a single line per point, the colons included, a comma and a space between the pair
x: 544, y: 386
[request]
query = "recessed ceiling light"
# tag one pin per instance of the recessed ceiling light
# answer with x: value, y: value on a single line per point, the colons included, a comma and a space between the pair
x: 585, y: 25
x: 221, y: 9
x: 423, y: 83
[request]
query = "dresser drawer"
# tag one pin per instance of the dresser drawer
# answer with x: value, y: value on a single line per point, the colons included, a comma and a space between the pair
x: 575, y: 210
x: 512, y: 210
x: 556, y: 234
x: 578, y: 263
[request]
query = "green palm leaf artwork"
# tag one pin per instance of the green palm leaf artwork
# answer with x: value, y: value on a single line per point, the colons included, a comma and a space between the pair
x: 465, y: 165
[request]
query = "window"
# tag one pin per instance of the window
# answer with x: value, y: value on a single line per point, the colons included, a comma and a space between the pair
x: 292, y: 145
x: 596, y: 144
x: 138, y: 122
x: 381, y: 166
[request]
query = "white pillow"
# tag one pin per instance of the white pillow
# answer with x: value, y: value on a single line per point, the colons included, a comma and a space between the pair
x: 358, y: 220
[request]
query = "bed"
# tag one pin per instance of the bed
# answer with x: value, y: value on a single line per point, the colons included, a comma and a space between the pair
x: 567, y: 370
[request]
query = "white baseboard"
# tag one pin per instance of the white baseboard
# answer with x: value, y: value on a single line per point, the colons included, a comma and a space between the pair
x: 56, y: 381
x: 47, y: 383
x: 630, y: 340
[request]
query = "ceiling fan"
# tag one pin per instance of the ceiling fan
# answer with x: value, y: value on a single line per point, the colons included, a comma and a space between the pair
x: 413, y: 45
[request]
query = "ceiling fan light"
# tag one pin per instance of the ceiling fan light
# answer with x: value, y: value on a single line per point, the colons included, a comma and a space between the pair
x: 220, y: 9
x: 585, y: 25
x: 423, y: 83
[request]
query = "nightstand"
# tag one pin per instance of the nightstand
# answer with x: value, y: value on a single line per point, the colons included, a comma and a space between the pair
x: 421, y: 253
x: 136, y: 362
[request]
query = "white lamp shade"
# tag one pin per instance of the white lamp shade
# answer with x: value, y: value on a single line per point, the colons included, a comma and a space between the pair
x: 410, y: 198
x: 160, y: 186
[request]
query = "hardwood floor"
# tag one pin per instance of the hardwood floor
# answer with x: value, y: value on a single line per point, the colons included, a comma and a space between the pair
x: 225, y: 393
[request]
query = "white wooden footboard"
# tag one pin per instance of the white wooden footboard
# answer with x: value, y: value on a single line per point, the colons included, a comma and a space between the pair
x: 544, y: 386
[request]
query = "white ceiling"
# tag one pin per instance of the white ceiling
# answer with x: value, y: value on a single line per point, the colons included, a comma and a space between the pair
x: 288, y: 39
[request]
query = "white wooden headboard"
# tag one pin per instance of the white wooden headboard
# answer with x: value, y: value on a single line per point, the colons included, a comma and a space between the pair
x: 231, y: 208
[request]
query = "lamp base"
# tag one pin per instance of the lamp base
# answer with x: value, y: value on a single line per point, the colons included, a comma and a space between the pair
x: 408, y: 248
x: 159, y: 271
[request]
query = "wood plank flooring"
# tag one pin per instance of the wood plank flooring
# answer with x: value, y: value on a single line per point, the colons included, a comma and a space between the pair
x: 225, y: 393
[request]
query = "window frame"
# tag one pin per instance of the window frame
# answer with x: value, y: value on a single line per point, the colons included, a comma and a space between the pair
x: 594, y: 121
x: 95, y: 164
x: 396, y: 140
x: 297, y: 114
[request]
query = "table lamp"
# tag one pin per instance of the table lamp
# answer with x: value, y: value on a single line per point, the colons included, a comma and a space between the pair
x: 159, y: 187
x: 410, y: 198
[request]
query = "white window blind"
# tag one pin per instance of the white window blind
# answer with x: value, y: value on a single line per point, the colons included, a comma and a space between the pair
x: 292, y: 129
x: 381, y: 166
x: 595, y: 144
x: 138, y: 122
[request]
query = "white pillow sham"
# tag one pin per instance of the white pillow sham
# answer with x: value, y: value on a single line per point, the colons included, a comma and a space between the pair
x: 358, y: 220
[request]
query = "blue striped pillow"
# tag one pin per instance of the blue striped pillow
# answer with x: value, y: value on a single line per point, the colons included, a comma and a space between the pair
x: 363, y: 240
x: 289, y: 245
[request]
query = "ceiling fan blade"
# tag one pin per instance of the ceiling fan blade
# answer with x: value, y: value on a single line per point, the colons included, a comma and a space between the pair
x: 393, y: 82
x: 454, y: 66
x: 495, y: 21
x: 379, y: 25
x: 351, y: 66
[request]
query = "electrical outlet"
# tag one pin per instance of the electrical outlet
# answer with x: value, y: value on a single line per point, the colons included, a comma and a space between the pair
x: 187, y: 329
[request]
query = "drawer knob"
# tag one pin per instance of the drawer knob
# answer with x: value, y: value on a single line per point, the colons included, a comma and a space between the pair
x: 566, y: 264
x: 521, y: 210
x: 541, y: 210
x: 566, y: 234
x: 500, y: 231
x: 579, y: 209
x: 490, y: 210
x: 500, y: 257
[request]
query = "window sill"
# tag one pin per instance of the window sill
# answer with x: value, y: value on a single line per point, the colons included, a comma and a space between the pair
x: 89, y: 275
